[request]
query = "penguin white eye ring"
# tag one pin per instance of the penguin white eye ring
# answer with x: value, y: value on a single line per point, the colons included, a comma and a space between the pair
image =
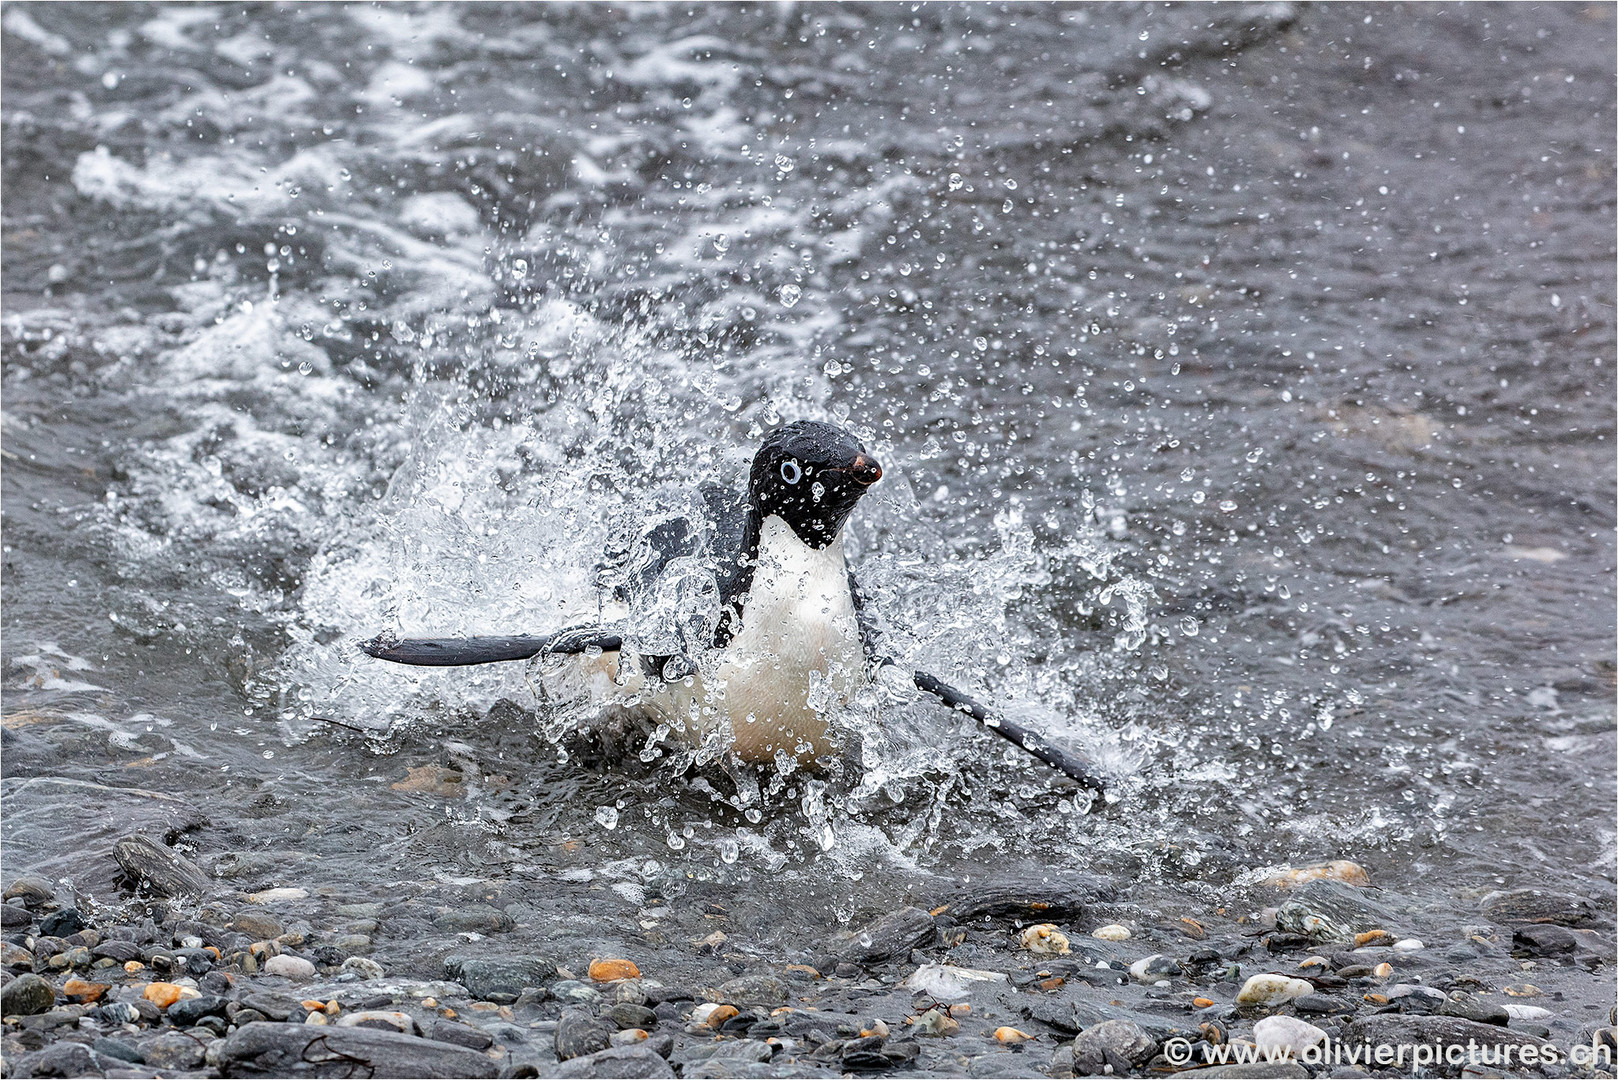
x: 792, y: 616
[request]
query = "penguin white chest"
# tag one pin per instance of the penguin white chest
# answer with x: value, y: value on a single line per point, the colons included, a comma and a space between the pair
x: 797, y: 655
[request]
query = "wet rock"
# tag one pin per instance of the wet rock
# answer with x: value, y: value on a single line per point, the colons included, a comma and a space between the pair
x: 258, y: 925
x: 1270, y: 989
x: 1039, y: 899
x: 1326, y: 909
x: 1285, y: 1035
x: 117, y: 1048
x: 172, y: 1051
x: 62, y: 923
x: 157, y: 869
x: 121, y: 951
x: 15, y: 917
x: 1543, y: 939
x: 1153, y: 969
x: 117, y: 1012
x: 448, y: 1031
x: 475, y: 918
x: 33, y: 890
x: 40, y: 810
x: 363, y: 967
x: 1414, y: 998
x: 1349, y: 873
x: 627, y: 1062
x: 281, y: 1050
x: 381, y: 1020
x: 26, y: 995
x: 1477, y: 1010
x: 291, y: 967
x: 188, y: 1011
x: 1111, y: 932
x: 894, y: 934
x: 627, y: 1015
x: 579, y: 1034
x: 1394, y: 1029
x: 162, y: 994
x: 1321, y: 1004
x: 1538, y: 906
x: 499, y: 979
x: 15, y: 956
x: 272, y: 1006
x: 754, y: 990
x: 1111, y: 1047
x: 1258, y: 1070
x: 65, y: 1059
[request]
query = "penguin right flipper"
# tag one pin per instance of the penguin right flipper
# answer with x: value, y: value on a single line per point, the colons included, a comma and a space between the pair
x: 463, y: 652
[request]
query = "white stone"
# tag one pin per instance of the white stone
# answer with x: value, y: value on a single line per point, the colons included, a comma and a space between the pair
x: 1268, y: 989
x: 290, y: 967
x: 399, y: 1021
x: 1527, y: 1012
x: 949, y: 981
x: 1111, y: 932
x: 270, y: 896
x: 1408, y: 945
x: 1279, y: 1036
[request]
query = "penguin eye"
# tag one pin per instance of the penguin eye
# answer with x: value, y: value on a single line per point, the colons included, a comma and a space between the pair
x: 790, y: 472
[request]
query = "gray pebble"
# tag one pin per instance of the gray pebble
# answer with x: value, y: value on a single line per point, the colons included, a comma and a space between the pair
x: 754, y: 990
x: 33, y: 890
x: 448, y: 1031
x: 308, y: 1050
x: 579, y: 1033
x: 475, y: 918
x: 626, y: 1016
x: 500, y: 979
x: 1115, y: 1045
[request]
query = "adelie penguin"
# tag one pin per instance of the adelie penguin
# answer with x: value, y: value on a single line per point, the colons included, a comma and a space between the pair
x: 791, y: 642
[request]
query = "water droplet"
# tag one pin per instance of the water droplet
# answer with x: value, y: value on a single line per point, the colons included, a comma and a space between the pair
x: 1011, y: 185
x: 728, y: 850
x: 721, y: 243
x: 1199, y: 497
x: 955, y: 181
x: 1189, y: 626
x: 607, y: 817
x: 1007, y: 206
x: 790, y: 294
x: 980, y: 344
x: 519, y: 268
x: 1227, y: 506
x: 1254, y: 455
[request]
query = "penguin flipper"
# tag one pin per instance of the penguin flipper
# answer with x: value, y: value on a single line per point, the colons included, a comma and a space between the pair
x: 463, y: 652
x: 1074, y: 765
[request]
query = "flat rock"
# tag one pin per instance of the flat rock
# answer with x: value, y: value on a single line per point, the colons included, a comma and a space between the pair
x: 1041, y: 899
x: 1395, y: 1029
x: 1538, y: 906
x: 505, y: 976
x: 1325, y: 909
x: 33, y: 890
x: 157, y: 869
x: 40, y: 810
x: 894, y: 934
x: 474, y: 918
x: 306, y: 1050
x: 448, y: 1031
x: 628, y: 1062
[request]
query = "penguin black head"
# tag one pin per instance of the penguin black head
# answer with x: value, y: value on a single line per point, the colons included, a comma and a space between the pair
x: 811, y: 475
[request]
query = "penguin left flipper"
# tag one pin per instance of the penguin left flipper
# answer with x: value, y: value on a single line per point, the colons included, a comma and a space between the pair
x: 1074, y: 765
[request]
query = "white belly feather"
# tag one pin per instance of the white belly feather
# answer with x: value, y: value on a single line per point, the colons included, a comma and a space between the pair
x: 796, y: 658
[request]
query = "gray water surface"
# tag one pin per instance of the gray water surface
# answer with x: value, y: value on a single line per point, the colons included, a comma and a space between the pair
x: 1243, y: 376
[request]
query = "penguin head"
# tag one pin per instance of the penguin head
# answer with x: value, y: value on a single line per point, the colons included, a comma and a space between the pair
x: 810, y: 475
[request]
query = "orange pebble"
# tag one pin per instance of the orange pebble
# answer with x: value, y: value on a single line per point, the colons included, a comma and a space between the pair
x: 1372, y: 937
x: 1202, y: 1002
x: 613, y: 970
x: 79, y: 990
x: 161, y: 994
x: 1054, y: 983
x: 133, y: 966
x: 314, y: 1005
x: 1009, y: 1035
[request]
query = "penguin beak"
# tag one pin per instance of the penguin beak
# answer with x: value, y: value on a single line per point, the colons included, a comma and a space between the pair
x: 865, y: 470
